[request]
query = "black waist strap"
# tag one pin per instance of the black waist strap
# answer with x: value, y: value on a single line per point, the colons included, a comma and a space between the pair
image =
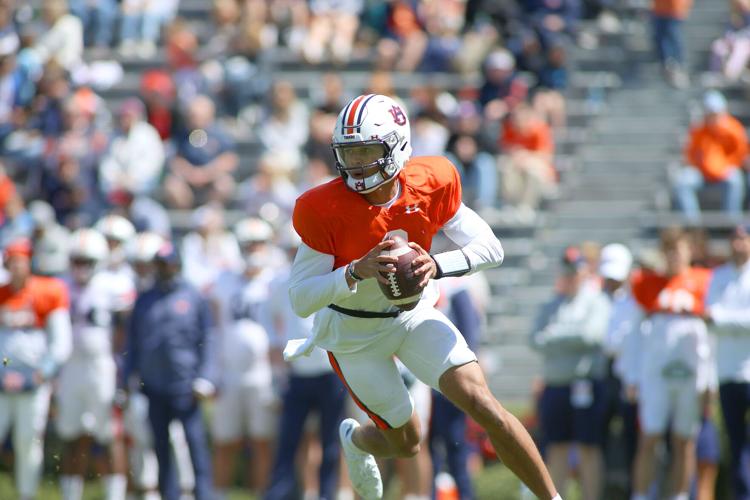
x: 364, y: 314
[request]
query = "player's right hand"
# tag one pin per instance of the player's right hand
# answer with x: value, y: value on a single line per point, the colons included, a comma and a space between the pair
x: 373, y: 264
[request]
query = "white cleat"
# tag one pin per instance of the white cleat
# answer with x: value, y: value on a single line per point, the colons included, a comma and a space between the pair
x: 363, y: 470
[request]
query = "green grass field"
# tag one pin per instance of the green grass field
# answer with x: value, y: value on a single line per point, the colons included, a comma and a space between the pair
x: 494, y: 483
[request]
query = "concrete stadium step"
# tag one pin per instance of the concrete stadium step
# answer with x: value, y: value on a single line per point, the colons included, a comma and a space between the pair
x: 604, y: 233
x: 638, y: 156
x: 596, y: 176
x: 630, y: 121
x: 602, y: 208
x: 498, y: 326
x: 611, y: 194
x: 636, y: 125
x: 508, y: 276
x: 643, y: 137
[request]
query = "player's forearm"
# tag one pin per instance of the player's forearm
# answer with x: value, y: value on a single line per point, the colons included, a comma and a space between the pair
x: 60, y: 342
x: 476, y: 239
x: 313, y: 285
x: 316, y: 292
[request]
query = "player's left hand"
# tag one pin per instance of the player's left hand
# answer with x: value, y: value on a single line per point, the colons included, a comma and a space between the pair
x: 423, y: 265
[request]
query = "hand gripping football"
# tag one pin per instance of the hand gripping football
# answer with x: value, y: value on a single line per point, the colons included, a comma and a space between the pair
x: 403, y: 288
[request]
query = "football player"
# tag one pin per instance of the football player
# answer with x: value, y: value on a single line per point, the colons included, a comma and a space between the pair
x: 245, y: 400
x: 119, y: 232
x: 671, y: 362
x: 343, y: 225
x: 35, y: 340
x: 86, y: 393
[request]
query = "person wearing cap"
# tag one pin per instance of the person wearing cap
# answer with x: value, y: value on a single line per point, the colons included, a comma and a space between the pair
x: 244, y: 407
x: 728, y: 316
x: 312, y: 388
x: 35, y: 340
x: 168, y: 349
x: 715, y: 154
x: 136, y: 154
x: 615, y: 264
x: 568, y: 333
x: 673, y: 363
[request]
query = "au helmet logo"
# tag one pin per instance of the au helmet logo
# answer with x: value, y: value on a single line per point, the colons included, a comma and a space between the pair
x: 398, y: 115
x: 359, y: 185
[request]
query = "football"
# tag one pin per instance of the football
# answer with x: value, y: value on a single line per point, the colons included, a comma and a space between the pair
x: 403, y: 289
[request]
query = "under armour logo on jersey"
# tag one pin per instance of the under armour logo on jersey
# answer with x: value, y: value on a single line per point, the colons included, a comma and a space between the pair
x: 411, y: 209
x: 398, y: 115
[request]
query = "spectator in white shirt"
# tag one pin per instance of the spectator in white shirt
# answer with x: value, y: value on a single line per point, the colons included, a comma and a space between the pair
x: 209, y: 249
x: 728, y: 314
x: 286, y: 122
x: 135, y: 159
x: 63, y: 39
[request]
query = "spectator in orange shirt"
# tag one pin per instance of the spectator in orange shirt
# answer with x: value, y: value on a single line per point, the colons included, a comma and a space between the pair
x: 526, y: 163
x: 715, y: 154
x: 668, y: 16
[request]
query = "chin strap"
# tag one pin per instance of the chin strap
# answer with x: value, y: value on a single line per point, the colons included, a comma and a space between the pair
x: 453, y: 263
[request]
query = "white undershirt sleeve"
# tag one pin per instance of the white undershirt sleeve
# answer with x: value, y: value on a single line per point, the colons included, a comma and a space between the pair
x: 313, y: 285
x: 60, y: 341
x: 476, y: 239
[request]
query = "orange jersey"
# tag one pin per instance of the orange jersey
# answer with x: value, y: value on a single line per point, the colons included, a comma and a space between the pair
x: 678, y: 9
x: 682, y: 294
x: 30, y: 306
x: 334, y: 220
x: 717, y: 151
x: 537, y: 138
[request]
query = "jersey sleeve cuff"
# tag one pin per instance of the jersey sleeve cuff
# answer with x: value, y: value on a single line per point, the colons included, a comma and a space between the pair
x: 453, y: 263
x: 342, y: 286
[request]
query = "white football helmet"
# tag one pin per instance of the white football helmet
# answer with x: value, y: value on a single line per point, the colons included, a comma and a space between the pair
x: 371, y: 131
x: 88, y: 244
x: 253, y: 230
x: 144, y: 246
x: 116, y: 227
